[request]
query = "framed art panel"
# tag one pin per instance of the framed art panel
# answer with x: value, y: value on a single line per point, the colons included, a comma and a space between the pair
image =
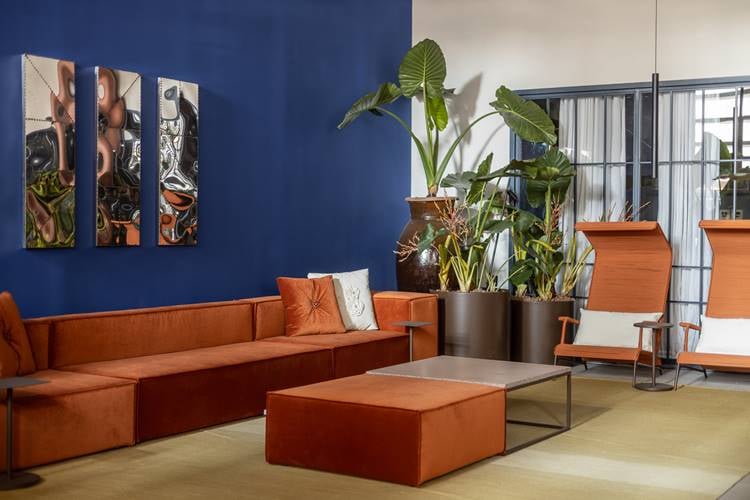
x: 118, y: 152
x: 178, y: 162
x: 49, y: 152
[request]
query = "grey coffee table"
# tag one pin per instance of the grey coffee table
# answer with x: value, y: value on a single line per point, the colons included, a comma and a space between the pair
x: 507, y: 375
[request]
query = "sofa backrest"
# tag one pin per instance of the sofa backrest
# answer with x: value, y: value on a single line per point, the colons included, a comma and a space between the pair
x: 85, y: 338
x: 268, y: 318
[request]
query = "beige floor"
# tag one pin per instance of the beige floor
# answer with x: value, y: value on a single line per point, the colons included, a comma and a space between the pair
x: 692, y: 443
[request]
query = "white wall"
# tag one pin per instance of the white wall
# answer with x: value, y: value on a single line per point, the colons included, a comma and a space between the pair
x: 526, y: 44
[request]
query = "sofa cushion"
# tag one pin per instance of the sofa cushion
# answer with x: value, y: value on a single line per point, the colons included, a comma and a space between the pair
x: 310, y: 306
x: 613, y: 329
x: 268, y: 316
x: 187, y: 390
x: 392, y: 307
x: 8, y: 359
x: 724, y: 336
x: 107, y: 336
x: 74, y: 414
x: 357, y: 352
x: 354, y: 298
x: 14, y: 333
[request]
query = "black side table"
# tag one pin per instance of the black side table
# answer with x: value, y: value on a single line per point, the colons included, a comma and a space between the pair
x: 652, y: 386
x: 411, y: 325
x: 11, y: 481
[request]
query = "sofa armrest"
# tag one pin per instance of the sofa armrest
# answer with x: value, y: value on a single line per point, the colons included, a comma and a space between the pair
x: 392, y: 307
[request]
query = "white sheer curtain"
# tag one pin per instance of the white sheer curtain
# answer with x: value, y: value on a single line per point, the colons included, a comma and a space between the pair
x: 685, y: 197
x: 582, y: 138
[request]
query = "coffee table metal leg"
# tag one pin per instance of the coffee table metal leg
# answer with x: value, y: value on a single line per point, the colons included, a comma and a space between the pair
x: 568, y: 402
x: 559, y: 429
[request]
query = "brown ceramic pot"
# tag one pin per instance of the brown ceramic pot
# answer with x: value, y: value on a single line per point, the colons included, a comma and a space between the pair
x: 474, y: 324
x: 535, y: 329
x: 419, y: 272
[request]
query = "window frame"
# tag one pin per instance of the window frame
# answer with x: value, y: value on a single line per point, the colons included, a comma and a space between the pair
x: 637, y: 91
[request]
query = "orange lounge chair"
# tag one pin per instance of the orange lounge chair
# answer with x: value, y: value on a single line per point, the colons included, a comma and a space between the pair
x: 632, y: 269
x: 727, y: 297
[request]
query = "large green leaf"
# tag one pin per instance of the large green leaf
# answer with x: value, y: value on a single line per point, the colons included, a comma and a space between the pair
x: 385, y: 94
x: 460, y: 182
x: 438, y: 112
x: 476, y: 192
x: 524, y: 117
x: 521, y: 271
x: 423, y: 67
x: 553, y: 171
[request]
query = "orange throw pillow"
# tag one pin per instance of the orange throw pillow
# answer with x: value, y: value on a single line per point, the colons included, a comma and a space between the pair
x: 14, y: 333
x: 310, y: 306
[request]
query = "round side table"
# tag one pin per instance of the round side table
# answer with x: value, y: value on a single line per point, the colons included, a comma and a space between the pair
x: 11, y: 480
x: 653, y: 386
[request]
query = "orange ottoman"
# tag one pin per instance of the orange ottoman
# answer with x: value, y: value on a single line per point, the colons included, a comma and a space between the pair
x: 399, y: 429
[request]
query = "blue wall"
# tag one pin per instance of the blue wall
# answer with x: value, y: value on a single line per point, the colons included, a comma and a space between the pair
x: 281, y: 192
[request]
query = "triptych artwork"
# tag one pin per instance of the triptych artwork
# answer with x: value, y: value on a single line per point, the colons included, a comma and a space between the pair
x: 50, y: 159
x: 49, y: 150
x: 178, y: 162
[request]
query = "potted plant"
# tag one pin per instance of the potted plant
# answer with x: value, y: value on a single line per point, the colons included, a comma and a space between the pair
x: 543, y: 272
x: 421, y: 76
x: 474, y: 307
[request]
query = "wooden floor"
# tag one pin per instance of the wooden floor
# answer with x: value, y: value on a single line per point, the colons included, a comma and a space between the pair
x: 692, y: 443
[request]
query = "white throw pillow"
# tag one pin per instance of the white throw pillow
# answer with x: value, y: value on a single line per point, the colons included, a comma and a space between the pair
x: 613, y: 329
x: 724, y: 336
x: 354, y: 298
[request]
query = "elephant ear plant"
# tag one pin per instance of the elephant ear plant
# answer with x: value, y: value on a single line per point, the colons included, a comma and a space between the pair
x: 471, y: 228
x: 421, y: 75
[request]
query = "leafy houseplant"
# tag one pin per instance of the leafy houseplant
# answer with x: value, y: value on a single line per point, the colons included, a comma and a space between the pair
x: 421, y: 75
x: 476, y: 314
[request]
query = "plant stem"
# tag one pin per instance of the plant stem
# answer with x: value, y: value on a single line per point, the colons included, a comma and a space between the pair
x: 426, y: 160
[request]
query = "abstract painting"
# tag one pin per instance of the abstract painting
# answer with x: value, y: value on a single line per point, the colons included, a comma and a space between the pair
x: 178, y: 162
x: 118, y: 148
x: 49, y: 150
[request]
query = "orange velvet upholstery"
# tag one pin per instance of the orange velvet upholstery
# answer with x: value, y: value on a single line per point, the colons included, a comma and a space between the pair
x: 398, y: 429
x: 632, y: 270
x: 8, y: 359
x: 39, y: 332
x: 178, y: 368
x: 74, y: 414
x: 87, y: 338
x: 268, y: 317
x: 191, y: 389
x: 355, y: 352
x: 730, y: 278
x: 310, y: 306
x: 14, y: 333
x: 391, y: 307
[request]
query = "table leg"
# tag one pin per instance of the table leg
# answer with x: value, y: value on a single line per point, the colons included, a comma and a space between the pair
x: 411, y: 343
x: 653, y: 386
x: 20, y: 479
x: 9, y: 433
x: 557, y: 428
x: 568, y: 402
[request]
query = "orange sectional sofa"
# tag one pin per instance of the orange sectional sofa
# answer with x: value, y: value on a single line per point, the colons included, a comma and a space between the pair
x: 118, y: 378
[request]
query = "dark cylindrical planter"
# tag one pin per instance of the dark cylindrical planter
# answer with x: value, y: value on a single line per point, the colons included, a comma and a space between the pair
x: 535, y: 329
x: 474, y: 324
x: 420, y: 271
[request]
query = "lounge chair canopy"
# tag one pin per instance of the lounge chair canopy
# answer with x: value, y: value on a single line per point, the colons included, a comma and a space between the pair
x: 632, y: 267
x: 729, y: 292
